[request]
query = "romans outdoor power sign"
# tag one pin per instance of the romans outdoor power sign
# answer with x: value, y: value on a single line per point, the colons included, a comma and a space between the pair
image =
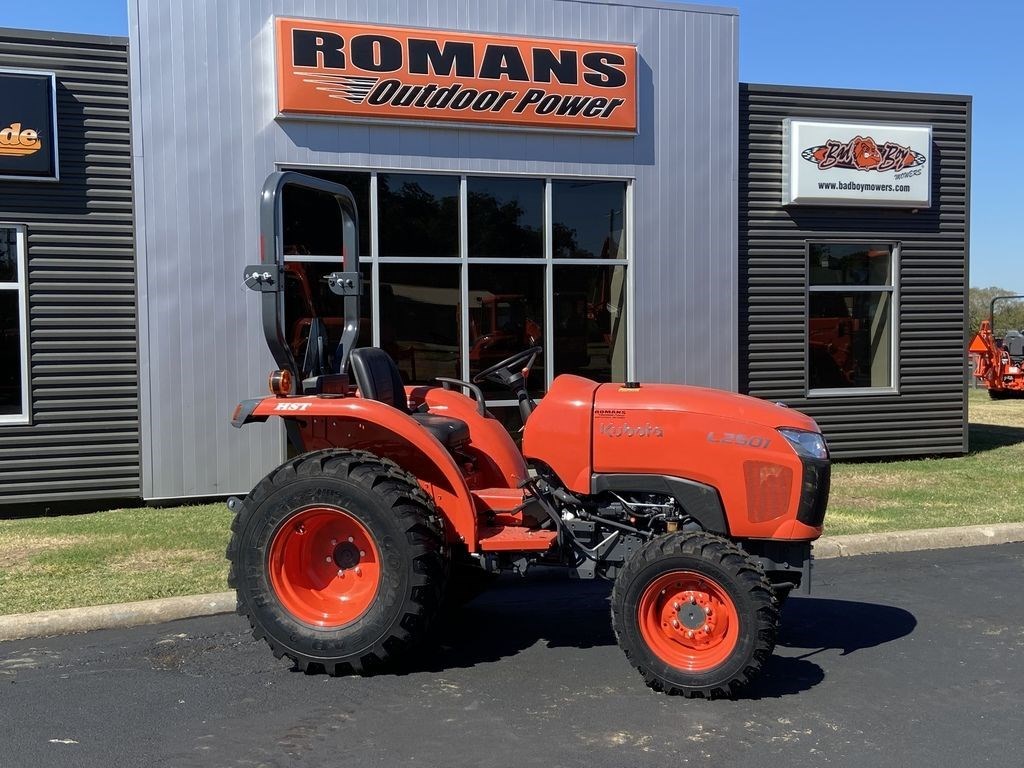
x: 28, y: 125
x: 359, y: 71
x: 870, y: 164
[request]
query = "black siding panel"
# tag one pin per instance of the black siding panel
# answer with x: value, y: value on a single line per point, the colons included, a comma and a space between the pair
x: 928, y: 416
x: 83, y: 442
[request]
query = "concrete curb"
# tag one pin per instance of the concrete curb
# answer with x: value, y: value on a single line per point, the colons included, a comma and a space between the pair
x: 20, y: 626
x: 913, y: 541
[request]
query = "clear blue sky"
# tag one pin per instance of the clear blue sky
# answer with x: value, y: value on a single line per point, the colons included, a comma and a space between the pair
x: 911, y: 45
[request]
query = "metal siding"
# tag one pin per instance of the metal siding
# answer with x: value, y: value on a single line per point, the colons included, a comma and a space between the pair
x: 928, y: 415
x: 83, y: 440
x: 205, y: 139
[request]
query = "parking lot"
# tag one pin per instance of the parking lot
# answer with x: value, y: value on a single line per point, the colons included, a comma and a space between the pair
x: 910, y: 660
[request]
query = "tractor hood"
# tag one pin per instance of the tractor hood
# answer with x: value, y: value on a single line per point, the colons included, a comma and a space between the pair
x: 699, y: 401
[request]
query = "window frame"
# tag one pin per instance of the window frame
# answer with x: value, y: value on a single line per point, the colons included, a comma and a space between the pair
x: 465, y: 261
x: 892, y: 288
x: 21, y: 286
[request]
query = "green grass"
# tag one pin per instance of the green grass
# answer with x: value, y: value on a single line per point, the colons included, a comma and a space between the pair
x: 982, y: 487
x: 138, y: 554
x: 112, y: 557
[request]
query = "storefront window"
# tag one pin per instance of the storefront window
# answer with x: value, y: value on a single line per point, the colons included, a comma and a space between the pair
x: 850, y: 326
x: 587, y: 219
x: 419, y: 320
x: 13, y: 327
x: 506, y: 217
x: 506, y: 315
x: 589, y: 336
x: 418, y: 215
x: 453, y: 294
x: 358, y: 184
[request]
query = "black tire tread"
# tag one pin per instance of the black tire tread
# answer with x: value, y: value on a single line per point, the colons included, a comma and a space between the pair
x: 751, y: 578
x: 417, y: 516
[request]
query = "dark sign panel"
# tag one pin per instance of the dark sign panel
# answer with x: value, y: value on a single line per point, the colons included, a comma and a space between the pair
x: 28, y: 125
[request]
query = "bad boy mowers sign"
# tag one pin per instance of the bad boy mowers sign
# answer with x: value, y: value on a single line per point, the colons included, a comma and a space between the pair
x: 870, y: 164
x: 359, y: 71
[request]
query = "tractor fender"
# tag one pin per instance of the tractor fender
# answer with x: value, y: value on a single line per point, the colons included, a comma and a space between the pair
x: 355, y: 423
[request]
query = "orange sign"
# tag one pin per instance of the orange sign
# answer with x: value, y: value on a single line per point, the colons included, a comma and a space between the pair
x: 359, y: 71
x: 14, y: 140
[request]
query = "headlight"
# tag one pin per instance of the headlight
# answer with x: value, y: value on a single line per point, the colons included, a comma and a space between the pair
x: 809, y: 445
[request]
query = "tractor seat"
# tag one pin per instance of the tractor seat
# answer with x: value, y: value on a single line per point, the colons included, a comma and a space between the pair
x: 378, y: 378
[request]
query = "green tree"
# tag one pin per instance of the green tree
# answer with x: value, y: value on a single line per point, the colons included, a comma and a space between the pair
x: 1009, y: 314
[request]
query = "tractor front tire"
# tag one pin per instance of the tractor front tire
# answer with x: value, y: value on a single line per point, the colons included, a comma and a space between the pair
x: 695, y: 615
x: 338, y: 559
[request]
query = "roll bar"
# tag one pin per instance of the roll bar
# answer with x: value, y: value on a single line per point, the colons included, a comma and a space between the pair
x: 267, y: 277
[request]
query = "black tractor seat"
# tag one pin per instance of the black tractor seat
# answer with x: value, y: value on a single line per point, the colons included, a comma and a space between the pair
x: 378, y: 378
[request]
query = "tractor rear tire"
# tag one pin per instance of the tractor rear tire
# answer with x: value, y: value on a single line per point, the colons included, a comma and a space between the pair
x: 695, y: 615
x: 339, y: 561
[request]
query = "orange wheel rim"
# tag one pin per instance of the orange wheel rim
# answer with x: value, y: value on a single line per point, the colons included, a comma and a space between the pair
x: 688, y: 621
x: 324, y: 567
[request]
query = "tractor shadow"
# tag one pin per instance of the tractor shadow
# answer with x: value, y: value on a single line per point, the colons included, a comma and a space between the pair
x: 548, y: 608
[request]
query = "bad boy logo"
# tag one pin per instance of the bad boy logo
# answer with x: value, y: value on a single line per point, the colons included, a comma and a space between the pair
x: 863, y: 153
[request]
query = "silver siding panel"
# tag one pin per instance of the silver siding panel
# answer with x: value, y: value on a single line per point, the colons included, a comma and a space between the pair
x: 84, y: 438
x: 929, y: 415
x: 205, y: 138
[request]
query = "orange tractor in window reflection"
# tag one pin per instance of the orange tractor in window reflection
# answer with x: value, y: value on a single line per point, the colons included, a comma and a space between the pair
x: 999, y: 363
x: 699, y: 505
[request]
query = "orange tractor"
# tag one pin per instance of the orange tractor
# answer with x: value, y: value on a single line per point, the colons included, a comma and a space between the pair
x: 999, y: 363
x: 699, y: 505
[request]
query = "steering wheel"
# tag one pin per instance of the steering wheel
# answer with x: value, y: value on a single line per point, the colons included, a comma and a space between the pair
x: 507, y: 371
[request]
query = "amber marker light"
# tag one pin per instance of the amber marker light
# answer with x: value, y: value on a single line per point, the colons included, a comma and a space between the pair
x: 280, y: 383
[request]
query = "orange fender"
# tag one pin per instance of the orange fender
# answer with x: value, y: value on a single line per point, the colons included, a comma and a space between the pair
x: 355, y: 423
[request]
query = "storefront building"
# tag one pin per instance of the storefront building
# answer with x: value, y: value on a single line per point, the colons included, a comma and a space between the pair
x: 586, y: 176
x: 69, y: 396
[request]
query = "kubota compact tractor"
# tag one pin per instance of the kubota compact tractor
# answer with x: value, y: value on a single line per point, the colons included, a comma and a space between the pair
x: 999, y: 366
x: 700, y: 505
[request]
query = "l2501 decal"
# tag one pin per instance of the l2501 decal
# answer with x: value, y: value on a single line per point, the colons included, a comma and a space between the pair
x: 863, y: 153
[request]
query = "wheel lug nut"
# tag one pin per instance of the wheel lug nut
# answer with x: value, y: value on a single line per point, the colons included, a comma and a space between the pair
x: 707, y: 627
x: 334, y: 542
x: 361, y: 553
x: 341, y: 573
x: 328, y: 559
x: 350, y: 539
x: 675, y: 623
x: 675, y: 606
x: 693, y: 600
x: 690, y: 633
x: 358, y: 572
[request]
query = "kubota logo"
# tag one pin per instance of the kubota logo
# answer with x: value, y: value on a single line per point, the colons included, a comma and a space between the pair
x: 18, y: 141
x: 627, y: 430
x: 862, y: 153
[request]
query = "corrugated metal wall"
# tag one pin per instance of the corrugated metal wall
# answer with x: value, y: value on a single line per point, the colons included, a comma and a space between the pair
x: 928, y: 414
x: 205, y: 139
x: 84, y: 438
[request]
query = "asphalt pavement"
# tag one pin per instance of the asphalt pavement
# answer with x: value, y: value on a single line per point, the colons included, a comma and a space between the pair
x: 909, y: 660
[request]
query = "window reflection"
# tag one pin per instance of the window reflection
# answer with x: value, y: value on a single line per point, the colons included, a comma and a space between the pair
x: 587, y: 219
x: 10, y: 354
x: 309, y: 302
x: 590, y: 321
x: 419, y: 320
x: 419, y: 215
x: 506, y: 217
x: 849, y: 339
x: 506, y: 315
x: 850, y: 264
x: 358, y: 184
